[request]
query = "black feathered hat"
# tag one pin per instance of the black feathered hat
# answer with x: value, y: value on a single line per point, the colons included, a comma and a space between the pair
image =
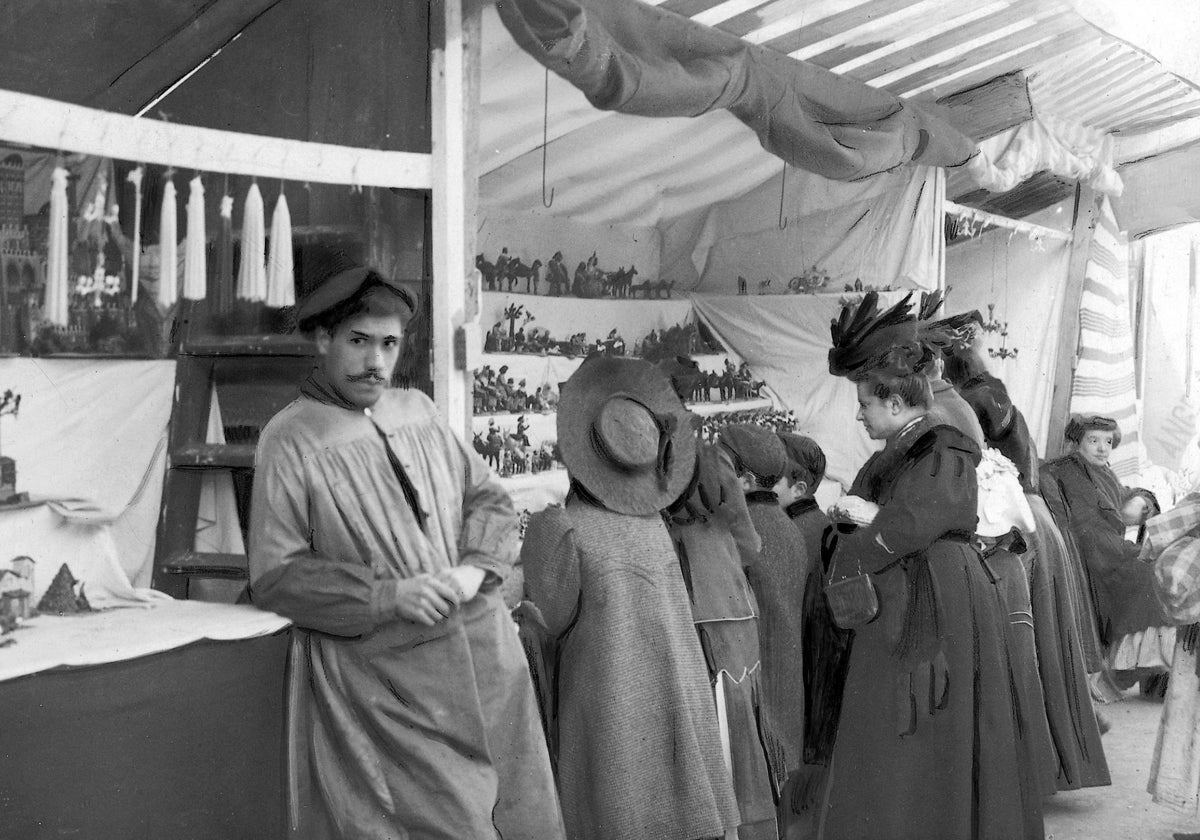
x: 864, y: 339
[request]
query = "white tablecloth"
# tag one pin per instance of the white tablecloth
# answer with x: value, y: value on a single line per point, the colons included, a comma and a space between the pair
x: 86, y: 547
x: 45, y: 642
x: 535, y: 491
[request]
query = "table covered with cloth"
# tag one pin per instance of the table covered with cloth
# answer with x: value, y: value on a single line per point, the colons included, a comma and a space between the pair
x: 164, y: 720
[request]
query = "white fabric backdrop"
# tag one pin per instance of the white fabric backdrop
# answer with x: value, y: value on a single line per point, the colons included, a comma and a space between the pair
x: 563, y: 316
x: 94, y: 430
x: 1026, y: 285
x: 893, y: 237
x: 1170, y: 415
x: 536, y: 234
x: 786, y: 342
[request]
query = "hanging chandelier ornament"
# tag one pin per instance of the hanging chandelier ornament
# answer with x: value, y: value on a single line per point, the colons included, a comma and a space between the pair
x: 992, y: 324
x: 1004, y: 351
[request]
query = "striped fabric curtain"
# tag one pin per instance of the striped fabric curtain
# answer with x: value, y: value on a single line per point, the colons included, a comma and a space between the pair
x: 1104, y: 380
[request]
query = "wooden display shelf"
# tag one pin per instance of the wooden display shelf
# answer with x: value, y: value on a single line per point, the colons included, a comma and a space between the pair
x: 704, y: 409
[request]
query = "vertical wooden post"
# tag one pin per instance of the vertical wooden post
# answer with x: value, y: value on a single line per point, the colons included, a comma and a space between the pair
x: 1190, y: 362
x: 454, y: 82
x: 1139, y: 310
x: 1087, y: 215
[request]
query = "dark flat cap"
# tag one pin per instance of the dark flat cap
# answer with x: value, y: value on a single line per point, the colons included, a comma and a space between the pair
x: 755, y: 448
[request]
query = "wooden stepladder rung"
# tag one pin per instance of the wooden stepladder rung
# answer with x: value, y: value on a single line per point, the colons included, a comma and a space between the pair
x: 250, y: 367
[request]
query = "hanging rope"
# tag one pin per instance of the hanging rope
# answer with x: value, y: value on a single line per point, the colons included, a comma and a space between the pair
x: 546, y: 140
x: 783, y: 220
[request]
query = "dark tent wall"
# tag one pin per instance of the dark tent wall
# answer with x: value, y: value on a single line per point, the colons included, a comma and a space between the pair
x: 352, y: 73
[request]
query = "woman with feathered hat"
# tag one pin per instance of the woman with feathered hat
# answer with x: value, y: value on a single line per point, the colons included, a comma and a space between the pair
x: 1064, y: 623
x: 925, y: 742
x: 638, y: 746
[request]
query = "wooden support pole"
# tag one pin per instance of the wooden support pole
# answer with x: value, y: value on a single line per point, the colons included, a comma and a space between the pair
x: 1190, y: 361
x: 1087, y: 215
x: 37, y: 121
x: 454, y: 79
x: 1139, y: 305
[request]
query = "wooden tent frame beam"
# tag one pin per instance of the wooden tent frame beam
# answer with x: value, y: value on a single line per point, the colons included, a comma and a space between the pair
x: 456, y: 28
x: 1086, y: 217
x: 51, y: 124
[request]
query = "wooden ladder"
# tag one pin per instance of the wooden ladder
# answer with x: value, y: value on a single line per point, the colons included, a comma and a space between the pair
x: 256, y: 376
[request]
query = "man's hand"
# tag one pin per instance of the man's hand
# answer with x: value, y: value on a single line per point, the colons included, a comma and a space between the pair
x: 425, y: 599
x: 465, y: 580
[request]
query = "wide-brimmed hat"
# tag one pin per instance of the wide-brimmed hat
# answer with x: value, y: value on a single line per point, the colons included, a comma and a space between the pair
x: 625, y: 436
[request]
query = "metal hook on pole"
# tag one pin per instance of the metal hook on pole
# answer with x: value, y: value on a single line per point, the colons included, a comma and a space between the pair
x: 783, y: 220
x: 546, y: 139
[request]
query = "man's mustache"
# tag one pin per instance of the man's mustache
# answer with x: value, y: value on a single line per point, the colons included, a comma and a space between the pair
x: 363, y: 377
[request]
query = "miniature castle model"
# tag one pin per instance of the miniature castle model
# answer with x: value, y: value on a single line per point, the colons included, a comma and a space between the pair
x: 8, y: 478
x: 10, y: 404
x: 22, y: 270
x: 16, y: 589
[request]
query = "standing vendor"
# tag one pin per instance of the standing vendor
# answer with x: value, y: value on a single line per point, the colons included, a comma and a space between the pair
x: 385, y: 539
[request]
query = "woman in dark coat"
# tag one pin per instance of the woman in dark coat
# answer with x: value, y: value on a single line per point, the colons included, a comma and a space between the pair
x: 1086, y: 498
x: 926, y: 743
x: 1063, y: 620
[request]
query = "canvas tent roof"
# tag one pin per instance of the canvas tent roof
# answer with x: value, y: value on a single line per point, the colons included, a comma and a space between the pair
x: 924, y: 49
x: 333, y: 73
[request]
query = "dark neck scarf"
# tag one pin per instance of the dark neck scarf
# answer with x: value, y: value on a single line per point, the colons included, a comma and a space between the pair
x: 318, y: 387
x: 801, y: 506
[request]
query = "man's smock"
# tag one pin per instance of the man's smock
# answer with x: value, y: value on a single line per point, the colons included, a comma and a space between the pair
x: 396, y: 729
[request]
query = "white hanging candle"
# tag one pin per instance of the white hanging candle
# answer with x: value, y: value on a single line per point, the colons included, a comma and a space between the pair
x: 135, y: 178
x: 281, y: 282
x: 195, y: 263
x: 168, y: 249
x: 56, y: 310
x: 223, y: 256
x: 252, y: 272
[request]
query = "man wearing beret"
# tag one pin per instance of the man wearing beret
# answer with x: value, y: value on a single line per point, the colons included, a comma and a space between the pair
x: 385, y: 540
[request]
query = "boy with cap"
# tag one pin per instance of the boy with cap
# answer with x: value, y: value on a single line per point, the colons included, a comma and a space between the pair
x: 778, y: 577
x: 385, y: 539
x: 806, y: 471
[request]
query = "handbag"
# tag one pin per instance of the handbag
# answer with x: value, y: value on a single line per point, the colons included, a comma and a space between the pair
x: 853, y: 601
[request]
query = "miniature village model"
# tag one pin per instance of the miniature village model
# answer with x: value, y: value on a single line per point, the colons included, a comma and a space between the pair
x: 10, y: 404
x: 16, y: 592
x: 61, y: 597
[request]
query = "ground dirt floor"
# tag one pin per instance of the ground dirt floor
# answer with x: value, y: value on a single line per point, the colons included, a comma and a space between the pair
x: 1123, y: 811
